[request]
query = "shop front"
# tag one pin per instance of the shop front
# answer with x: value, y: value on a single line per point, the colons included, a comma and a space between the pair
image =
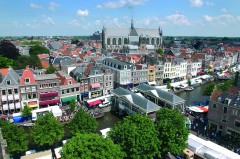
x: 95, y: 94
x: 67, y: 100
x: 84, y: 95
x: 32, y: 104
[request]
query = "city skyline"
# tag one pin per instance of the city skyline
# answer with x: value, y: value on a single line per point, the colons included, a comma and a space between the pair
x: 185, y: 18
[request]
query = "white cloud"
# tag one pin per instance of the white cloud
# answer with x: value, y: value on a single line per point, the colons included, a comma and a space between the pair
x: 224, y: 10
x: 52, y: 6
x: 122, y: 4
x: 36, y: 6
x: 47, y: 21
x: 178, y: 19
x: 196, y: 3
x: 82, y: 13
x: 209, y: 3
x: 238, y: 18
x: 208, y: 18
x: 97, y: 22
x: 74, y: 23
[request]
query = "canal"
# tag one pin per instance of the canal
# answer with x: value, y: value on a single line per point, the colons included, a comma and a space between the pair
x: 191, y: 97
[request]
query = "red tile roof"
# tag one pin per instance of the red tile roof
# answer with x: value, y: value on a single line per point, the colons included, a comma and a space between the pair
x: 4, y: 71
x: 197, y: 57
x: 44, y: 63
x: 88, y: 68
x: 234, y: 90
x: 215, y: 93
x: 41, y: 56
x: 88, y: 52
x: 27, y: 73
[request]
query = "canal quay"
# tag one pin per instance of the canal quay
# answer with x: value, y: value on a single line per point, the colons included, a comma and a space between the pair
x: 191, y: 97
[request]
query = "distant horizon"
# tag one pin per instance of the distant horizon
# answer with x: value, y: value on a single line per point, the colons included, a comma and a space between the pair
x: 210, y: 18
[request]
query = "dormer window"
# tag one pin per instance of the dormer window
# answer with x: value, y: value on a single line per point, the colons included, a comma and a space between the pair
x: 96, y: 72
x: 27, y: 80
x: 69, y: 82
x: 8, y: 82
x: 125, y: 66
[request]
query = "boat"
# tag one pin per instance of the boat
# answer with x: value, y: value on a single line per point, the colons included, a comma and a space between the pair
x: 189, y: 89
x: 98, y: 115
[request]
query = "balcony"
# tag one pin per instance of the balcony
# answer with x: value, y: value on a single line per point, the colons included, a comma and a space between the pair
x: 16, y: 96
x: 10, y: 97
x: 4, y: 98
x: 11, y: 106
x: 5, y: 107
x: 48, y: 102
x: 50, y: 94
x: 18, y: 105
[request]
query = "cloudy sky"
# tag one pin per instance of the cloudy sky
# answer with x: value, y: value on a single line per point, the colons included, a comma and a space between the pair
x: 84, y: 17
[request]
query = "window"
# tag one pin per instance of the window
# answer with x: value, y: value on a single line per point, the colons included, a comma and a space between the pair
x: 27, y: 80
x: 225, y: 110
x: 96, y: 80
x: 62, y: 91
x: 9, y: 91
x: 15, y: 91
x: 22, y: 90
x: 224, y: 118
x: 234, y: 112
x: 8, y: 82
x: 67, y: 90
x: 28, y: 89
x: 29, y: 96
x: 237, y: 123
x: 3, y: 92
x: 106, y: 84
x: 69, y: 82
x: 110, y: 83
x: 214, y: 106
x: 34, y: 95
x: 33, y: 88
x: 72, y: 89
x: 23, y: 97
x: 77, y: 89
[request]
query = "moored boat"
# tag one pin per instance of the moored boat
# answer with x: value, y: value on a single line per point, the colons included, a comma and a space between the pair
x: 189, y: 89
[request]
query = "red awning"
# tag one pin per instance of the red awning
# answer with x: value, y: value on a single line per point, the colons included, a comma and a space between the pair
x: 95, y: 85
x: 204, y: 109
x: 94, y: 103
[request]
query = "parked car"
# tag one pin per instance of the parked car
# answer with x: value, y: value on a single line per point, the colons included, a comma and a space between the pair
x: 104, y: 104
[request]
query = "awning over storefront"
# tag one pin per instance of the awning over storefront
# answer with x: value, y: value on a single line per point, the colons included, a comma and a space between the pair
x: 68, y: 99
x: 95, y: 85
x: 204, y: 109
x: 92, y: 103
x: 32, y: 104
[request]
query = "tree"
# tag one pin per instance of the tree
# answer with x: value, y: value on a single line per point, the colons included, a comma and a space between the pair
x: 172, y: 132
x: 17, y: 140
x: 208, y: 89
x: 8, y: 49
x: 137, y: 136
x: 5, y: 62
x: 189, y: 82
x: 23, y: 61
x: 47, y: 130
x: 72, y: 105
x: 169, y: 85
x: 91, y: 146
x: 226, y: 85
x: 51, y: 70
x: 26, y: 112
x: 38, y: 49
x: 82, y: 122
x: 74, y: 41
x: 160, y: 51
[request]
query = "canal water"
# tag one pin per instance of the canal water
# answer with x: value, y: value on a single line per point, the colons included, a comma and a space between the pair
x: 192, y: 98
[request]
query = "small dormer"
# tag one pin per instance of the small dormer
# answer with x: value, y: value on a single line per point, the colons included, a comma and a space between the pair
x: 8, y: 82
x: 227, y: 101
x: 125, y: 67
x: 69, y: 82
x: 219, y: 99
x: 27, y: 80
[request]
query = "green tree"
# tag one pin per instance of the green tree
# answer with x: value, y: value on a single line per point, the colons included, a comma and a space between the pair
x: 91, y: 146
x: 8, y: 49
x: 137, y: 136
x: 74, y: 41
x: 172, y: 132
x: 5, y: 62
x: 38, y: 49
x: 47, y: 130
x: 160, y: 51
x: 208, y: 89
x: 26, y: 112
x: 72, y: 105
x: 15, y: 136
x: 23, y: 61
x: 82, y: 122
x: 169, y: 85
x: 51, y: 70
x: 189, y: 82
x: 226, y: 85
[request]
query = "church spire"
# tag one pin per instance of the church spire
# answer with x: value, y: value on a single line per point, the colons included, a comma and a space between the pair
x: 132, y: 26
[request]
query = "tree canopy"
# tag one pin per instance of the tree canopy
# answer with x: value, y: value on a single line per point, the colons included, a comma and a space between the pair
x: 72, y: 105
x: 160, y: 51
x: 137, y: 136
x: 8, y: 49
x: 208, y: 89
x: 26, y: 112
x: 15, y: 136
x: 51, y: 70
x: 82, y: 122
x: 226, y: 85
x: 91, y: 146
x: 23, y: 61
x: 47, y: 130
x: 5, y: 62
x: 38, y: 49
x: 172, y: 131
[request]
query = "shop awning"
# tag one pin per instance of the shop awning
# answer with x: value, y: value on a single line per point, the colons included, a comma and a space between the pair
x: 68, y: 99
x: 92, y: 103
x: 204, y: 109
x: 32, y: 104
x: 95, y: 85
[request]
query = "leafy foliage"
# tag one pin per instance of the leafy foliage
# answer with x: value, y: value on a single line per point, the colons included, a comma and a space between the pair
x: 208, y: 89
x: 23, y: 61
x: 47, y: 130
x: 8, y: 49
x: 91, y: 146
x: 226, y: 85
x: 82, y: 122
x: 160, y: 51
x: 51, y: 70
x: 26, y: 112
x: 137, y: 136
x: 189, y: 81
x: 74, y: 41
x: 173, y: 134
x: 15, y: 136
x: 31, y: 43
x: 72, y: 105
x: 169, y: 85
x: 38, y: 49
x: 5, y: 62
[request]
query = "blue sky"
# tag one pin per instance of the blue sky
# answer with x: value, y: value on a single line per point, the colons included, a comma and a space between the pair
x: 84, y: 17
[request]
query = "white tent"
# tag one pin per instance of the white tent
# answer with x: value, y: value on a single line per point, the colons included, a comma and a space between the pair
x: 57, y: 112
x: 104, y: 132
